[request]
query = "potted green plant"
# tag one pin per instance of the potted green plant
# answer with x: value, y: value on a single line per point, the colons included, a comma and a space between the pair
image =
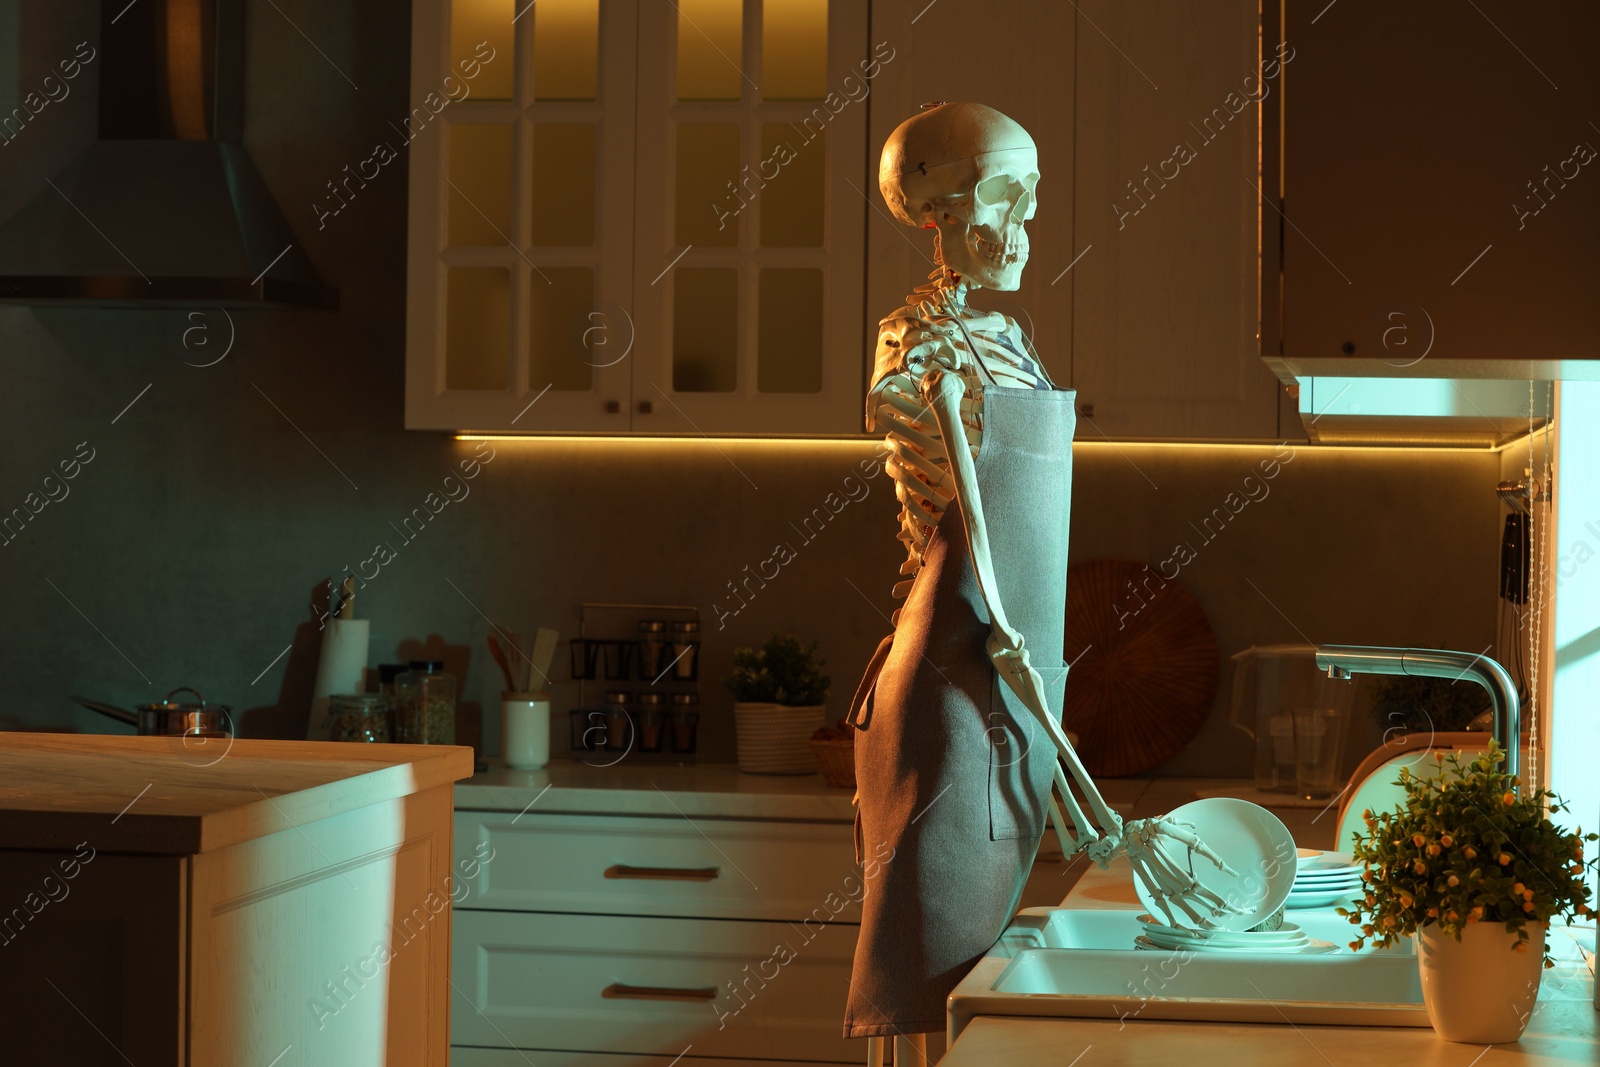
x: 1475, y: 870
x: 780, y: 695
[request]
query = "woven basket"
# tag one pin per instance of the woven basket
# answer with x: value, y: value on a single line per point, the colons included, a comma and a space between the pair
x: 774, y: 739
x: 836, y: 760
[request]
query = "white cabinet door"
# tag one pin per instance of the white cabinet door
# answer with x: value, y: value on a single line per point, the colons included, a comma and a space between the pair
x: 1165, y: 292
x: 519, y: 254
x: 749, y: 255
x: 607, y: 864
x: 651, y: 986
x: 1442, y: 174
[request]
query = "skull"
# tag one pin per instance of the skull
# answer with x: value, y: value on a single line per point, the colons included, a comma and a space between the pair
x: 969, y: 172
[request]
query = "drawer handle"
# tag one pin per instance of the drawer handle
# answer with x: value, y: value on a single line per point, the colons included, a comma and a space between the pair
x: 618, y: 991
x: 674, y: 874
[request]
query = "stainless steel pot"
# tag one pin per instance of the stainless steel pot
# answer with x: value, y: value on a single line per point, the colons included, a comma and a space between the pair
x: 175, y: 718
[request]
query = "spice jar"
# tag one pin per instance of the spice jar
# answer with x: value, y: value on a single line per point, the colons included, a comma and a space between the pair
x: 685, y: 722
x: 652, y: 648
x: 425, y: 705
x: 619, y: 727
x: 686, y: 650
x: 358, y: 717
x: 652, y: 719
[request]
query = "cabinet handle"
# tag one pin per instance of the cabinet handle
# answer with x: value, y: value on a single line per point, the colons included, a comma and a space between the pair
x: 618, y: 991
x: 646, y: 407
x: 613, y: 407
x: 673, y: 874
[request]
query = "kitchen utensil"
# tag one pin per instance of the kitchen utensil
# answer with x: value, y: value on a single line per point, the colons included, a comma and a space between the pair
x: 1313, y: 947
x: 1143, y: 666
x: 517, y: 656
x: 499, y: 655
x: 1251, y: 840
x: 525, y: 730
x: 1271, y: 684
x: 544, y: 651
x: 170, y: 717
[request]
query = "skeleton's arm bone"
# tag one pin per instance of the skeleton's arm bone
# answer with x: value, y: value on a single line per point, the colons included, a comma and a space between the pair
x: 1005, y: 644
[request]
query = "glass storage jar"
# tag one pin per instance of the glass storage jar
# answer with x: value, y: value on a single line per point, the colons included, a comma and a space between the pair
x: 358, y: 717
x: 425, y: 705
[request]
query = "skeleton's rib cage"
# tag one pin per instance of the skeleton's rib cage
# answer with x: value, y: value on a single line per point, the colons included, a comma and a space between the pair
x: 938, y: 330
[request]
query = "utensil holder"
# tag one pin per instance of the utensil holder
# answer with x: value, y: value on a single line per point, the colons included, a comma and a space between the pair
x: 525, y: 730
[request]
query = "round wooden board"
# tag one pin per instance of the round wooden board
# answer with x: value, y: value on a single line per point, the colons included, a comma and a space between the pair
x: 1144, y: 666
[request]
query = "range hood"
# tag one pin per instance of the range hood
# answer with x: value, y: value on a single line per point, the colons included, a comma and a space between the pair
x: 1485, y: 403
x: 165, y: 209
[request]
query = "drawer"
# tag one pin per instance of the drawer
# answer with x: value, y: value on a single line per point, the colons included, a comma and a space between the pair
x: 649, y: 986
x: 508, y: 1057
x: 611, y: 865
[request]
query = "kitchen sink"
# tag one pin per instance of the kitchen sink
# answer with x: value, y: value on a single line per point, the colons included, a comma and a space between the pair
x: 1081, y: 963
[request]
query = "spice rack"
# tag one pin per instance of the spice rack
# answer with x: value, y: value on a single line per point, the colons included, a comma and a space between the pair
x: 638, y: 689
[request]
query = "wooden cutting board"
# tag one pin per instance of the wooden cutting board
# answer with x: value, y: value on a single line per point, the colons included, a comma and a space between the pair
x: 1144, y: 666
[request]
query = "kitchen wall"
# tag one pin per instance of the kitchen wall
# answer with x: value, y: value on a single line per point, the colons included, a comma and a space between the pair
x: 185, y: 549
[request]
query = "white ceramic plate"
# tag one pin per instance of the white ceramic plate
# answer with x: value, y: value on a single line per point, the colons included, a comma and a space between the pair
x: 1352, y: 878
x: 1252, y: 840
x: 1279, y: 945
x: 1330, y: 863
x: 1305, y: 856
x: 1154, y: 928
x: 1236, y: 950
x: 1320, y: 899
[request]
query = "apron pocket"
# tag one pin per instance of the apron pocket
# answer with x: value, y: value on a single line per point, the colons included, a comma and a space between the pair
x: 1022, y: 758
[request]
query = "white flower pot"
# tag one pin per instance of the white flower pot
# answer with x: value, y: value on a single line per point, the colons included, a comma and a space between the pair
x: 1478, y: 990
x: 774, y: 739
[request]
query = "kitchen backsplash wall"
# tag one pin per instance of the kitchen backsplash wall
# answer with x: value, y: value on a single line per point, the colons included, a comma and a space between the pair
x: 207, y: 501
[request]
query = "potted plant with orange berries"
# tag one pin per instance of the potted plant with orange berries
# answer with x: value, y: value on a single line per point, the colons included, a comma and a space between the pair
x: 1475, y: 870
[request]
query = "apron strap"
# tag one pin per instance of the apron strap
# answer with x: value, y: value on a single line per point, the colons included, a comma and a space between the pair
x: 861, y: 704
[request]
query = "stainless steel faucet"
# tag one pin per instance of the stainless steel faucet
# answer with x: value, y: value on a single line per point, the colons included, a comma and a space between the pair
x: 1342, y: 661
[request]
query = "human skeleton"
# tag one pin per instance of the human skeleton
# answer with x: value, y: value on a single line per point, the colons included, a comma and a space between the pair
x: 969, y: 173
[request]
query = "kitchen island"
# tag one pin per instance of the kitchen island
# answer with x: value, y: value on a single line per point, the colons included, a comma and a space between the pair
x: 225, y: 902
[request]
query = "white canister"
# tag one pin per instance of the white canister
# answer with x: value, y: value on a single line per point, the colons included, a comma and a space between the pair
x: 525, y: 730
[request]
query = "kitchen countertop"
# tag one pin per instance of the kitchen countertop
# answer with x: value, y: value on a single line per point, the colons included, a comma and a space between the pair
x: 185, y: 795
x: 722, y: 791
x: 1563, y: 1029
x: 707, y: 790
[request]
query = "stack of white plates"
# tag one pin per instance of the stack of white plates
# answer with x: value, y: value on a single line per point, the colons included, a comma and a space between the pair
x: 1324, y: 879
x: 1287, y: 938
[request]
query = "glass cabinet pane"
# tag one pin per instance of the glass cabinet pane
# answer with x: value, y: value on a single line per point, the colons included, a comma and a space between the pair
x: 567, y: 336
x: 705, y: 329
x: 792, y: 202
x: 794, y: 49
x: 790, y: 331
x: 480, y: 184
x: 481, y: 49
x: 477, y: 335
x: 708, y: 194
x: 710, y: 36
x: 566, y: 49
x: 563, y: 184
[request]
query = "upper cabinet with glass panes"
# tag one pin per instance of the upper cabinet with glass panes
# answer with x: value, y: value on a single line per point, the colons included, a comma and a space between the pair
x: 638, y: 216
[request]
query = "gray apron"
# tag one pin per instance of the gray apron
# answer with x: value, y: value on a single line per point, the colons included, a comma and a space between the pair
x: 953, y: 773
